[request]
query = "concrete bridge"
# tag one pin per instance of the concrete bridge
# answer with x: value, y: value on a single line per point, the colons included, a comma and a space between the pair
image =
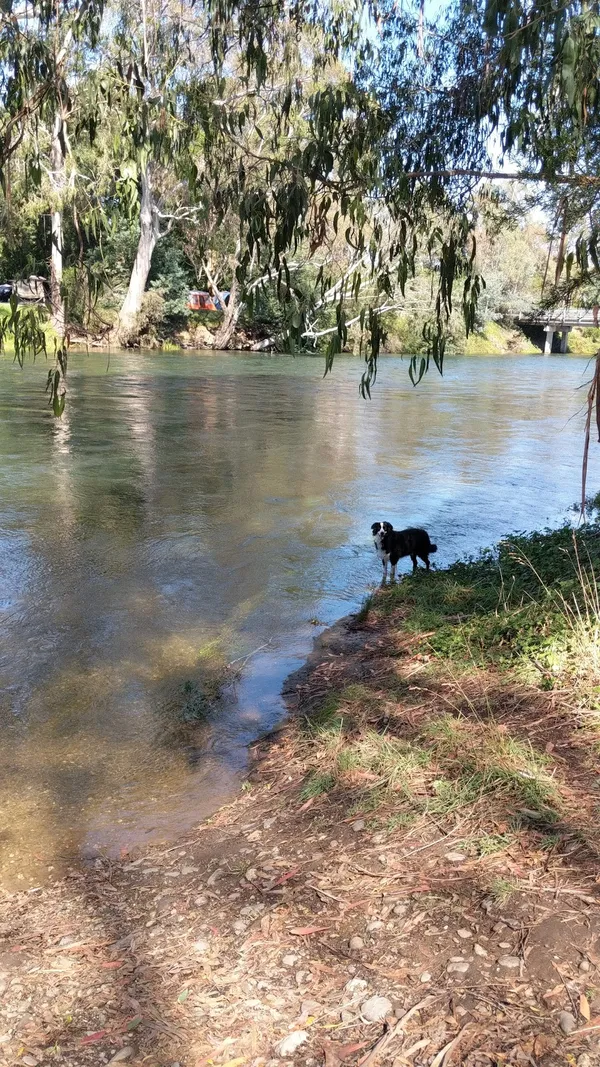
x: 560, y: 321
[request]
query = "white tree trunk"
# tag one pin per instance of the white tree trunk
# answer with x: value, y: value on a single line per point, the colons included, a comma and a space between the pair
x: 231, y: 315
x: 58, y: 181
x: 127, y: 321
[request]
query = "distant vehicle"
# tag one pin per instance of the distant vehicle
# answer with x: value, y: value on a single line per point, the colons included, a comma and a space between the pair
x: 199, y: 300
x: 32, y: 290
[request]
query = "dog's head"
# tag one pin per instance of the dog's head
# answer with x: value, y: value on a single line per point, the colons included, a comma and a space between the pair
x: 380, y: 529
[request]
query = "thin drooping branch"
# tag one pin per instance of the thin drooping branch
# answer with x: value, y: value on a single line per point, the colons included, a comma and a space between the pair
x: 508, y: 176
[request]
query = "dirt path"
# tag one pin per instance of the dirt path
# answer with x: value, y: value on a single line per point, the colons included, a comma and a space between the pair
x: 287, y: 914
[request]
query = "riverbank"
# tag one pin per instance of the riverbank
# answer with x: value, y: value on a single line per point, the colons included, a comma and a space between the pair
x: 422, y: 831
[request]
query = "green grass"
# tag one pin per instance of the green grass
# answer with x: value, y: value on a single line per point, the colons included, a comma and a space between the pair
x: 532, y: 605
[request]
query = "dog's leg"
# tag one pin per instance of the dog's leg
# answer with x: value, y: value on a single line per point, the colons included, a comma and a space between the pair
x: 393, y: 574
x: 414, y: 562
x: 385, y: 565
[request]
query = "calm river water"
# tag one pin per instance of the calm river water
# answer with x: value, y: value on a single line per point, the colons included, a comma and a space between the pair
x: 222, y: 502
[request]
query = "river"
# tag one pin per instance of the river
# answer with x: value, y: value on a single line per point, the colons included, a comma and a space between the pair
x: 192, y: 507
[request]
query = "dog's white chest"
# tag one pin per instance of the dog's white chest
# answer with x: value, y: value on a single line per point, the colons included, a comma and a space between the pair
x: 383, y: 556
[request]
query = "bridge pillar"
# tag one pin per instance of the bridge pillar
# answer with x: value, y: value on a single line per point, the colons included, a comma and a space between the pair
x: 564, y: 339
x: 549, y: 331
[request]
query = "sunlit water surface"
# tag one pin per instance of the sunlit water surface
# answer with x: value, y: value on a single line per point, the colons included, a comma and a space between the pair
x: 192, y: 506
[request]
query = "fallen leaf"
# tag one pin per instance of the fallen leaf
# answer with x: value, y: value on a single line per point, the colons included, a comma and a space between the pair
x: 181, y: 999
x: 235, y: 1063
x: 304, y: 931
x: 90, y: 1038
x: 112, y: 965
x: 584, y: 1007
x: 543, y: 1043
x: 336, y: 1054
x: 285, y: 877
x: 554, y: 992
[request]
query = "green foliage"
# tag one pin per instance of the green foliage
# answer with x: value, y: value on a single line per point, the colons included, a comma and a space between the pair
x: 531, y: 605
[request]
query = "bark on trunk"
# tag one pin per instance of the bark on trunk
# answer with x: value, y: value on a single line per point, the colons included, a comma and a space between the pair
x: 58, y: 179
x: 230, y: 318
x: 127, y: 321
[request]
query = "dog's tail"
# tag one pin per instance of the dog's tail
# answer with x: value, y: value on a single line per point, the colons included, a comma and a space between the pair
x: 432, y: 548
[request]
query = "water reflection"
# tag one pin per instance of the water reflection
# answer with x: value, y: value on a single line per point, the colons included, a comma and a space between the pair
x: 185, y: 503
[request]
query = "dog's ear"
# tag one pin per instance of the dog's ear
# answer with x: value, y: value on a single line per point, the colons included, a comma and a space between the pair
x: 374, y: 527
x: 388, y: 527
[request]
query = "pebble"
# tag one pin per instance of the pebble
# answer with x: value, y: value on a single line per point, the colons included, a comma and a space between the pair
x: 290, y: 960
x: 479, y: 950
x: 355, y: 985
x: 358, y: 825
x: 425, y: 977
x: 377, y: 924
x: 567, y: 1022
x: 457, y: 968
x: 378, y: 839
x: 123, y: 1054
x: 584, y: 1060
x: 504, y: 944
x: 584, y: 965
x: 510, y: 962
x: 356, y: 944
x: 251, y: 874
x: 29, y: 1060
x: 375, y: 1009
x: 400, y: 909
x: 456, y: 857
x: 201, y: 946
x: 464, y: 933
x: 239, y: 926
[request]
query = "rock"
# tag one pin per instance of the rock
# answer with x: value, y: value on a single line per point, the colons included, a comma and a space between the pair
x: 251, y: 874
x: 200, y: 946
x: 464, y: 933
x: 355, y: 985
x: 455, y: 857
x: 290, y: 960
x: 123, y: 1054
x: 379, y: 838
x: 375, y: 1009
x: 254, y: 836
x: 504, y: 944
x: 510, y: 962
x: 346, y: 1016
x: 377, y: 924
x: 457, y: 968
x: 567, y: 1022
x: 584, y: 965
x: 288, y: 1045
x: 584, y: 1060
x: 358, y: 825
x: 400, y: 909
x: 425, y: 977
x: 499, y: 927
x: 356, y: 944
x: 29, y: 1060
x: 479, y: 950
x: 239, y: 927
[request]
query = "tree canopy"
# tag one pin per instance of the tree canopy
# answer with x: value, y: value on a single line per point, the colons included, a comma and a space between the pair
x: 320, y: 151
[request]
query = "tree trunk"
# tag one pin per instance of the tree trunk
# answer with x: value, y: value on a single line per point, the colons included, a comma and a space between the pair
x: 127, y: 321
x: 58, y: 179
x: 230, y: 318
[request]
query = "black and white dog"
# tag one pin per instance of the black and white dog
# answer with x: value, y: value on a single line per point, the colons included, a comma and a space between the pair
x: 392, y: 545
